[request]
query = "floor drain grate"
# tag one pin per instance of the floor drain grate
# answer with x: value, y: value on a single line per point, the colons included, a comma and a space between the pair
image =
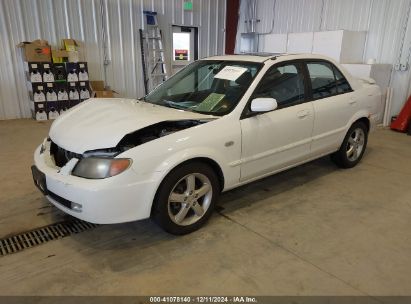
x: 42, y: 235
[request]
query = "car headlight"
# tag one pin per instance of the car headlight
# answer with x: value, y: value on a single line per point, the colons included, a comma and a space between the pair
x: 98, y: 167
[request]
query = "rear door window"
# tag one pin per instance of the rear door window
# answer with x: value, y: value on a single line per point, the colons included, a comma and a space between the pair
x: 326, y: 80
x: 342, y: 83
x: 322, y: 79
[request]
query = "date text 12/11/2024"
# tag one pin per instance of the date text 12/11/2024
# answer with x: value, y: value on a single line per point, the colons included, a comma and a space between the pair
x: 203, y: 299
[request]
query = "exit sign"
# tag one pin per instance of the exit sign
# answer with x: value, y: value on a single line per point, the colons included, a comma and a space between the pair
x: 188, y: 5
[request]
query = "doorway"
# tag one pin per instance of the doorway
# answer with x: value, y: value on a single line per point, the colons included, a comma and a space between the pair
x: 184, y: 46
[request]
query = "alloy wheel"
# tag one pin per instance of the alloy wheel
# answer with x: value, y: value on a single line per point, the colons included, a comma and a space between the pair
x: 190, y: 199
x: 355, y: 144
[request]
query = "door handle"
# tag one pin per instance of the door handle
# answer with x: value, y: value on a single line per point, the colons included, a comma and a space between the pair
x: 352, y: 101
x: 302, y: 114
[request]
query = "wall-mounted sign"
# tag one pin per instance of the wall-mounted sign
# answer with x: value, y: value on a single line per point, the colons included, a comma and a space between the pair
x: 188, y: 5
x: 180, y: 54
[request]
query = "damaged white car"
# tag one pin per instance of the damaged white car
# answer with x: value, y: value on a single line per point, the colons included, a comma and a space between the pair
x: 219, y: 123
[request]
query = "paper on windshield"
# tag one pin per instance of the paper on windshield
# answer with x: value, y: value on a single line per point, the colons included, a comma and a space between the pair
x: 210, y: 102
x: 230, y: 73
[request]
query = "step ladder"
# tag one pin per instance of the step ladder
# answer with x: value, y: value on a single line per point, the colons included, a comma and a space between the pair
x: 152, y: 52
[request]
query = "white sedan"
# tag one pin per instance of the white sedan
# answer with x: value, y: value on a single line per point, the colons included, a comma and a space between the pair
x: 219, y: 123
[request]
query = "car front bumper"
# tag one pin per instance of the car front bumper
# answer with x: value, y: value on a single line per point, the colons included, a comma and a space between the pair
x: 122, y: 198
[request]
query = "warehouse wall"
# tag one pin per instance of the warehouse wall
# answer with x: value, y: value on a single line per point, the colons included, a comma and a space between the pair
x: 109, y: 30
x: 386, y: 22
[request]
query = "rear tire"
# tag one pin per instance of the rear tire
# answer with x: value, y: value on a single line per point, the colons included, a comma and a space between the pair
x: 353, y: 147
x: 186, y: 198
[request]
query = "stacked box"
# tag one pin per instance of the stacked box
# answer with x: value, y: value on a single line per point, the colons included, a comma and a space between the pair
x: 59, y: 71
x: 34, y: 72
x: 73, y: 93
x: 82, y: 71
x: 63, y: 97
x: 52, y: 106
x: 47, y: 72
x: 72, y: 71
x: 84, y: 90
x: 54, y: 85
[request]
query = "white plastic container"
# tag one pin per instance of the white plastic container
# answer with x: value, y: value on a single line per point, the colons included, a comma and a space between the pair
x: 300, y: 43
x: 343, y: 46
x: 381, y: 73
x: 273, y: 43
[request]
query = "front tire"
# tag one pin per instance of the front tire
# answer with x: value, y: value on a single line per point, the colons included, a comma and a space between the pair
x: 186, y: 198
x: 353, y: 147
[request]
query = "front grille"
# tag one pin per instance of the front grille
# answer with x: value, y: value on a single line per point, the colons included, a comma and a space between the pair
x: 61, y: 156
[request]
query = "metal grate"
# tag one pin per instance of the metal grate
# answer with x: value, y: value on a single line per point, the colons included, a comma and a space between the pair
x: 19, y: 242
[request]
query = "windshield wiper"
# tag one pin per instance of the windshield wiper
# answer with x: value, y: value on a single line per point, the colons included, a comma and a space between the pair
x: 174, y: 105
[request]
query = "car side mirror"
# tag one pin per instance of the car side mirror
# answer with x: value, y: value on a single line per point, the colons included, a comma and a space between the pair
x: 260, y: 105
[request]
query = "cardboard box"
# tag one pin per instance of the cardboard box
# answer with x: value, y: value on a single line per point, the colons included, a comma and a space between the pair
x: 74, y: 50
x: 39, y: 110
x: 82, y: 71
x: 73, y: 56
x: 73, y: 91
x: 36, y: 51
x: 59, y: 71
x: 63, y: 105
x: 72, y: 66
x: 35, y: 87
x: 82, y: 66
x: 38, y: 94
x: 72, y: 76
x: 72, y: 71
x: 47, y: 66
x: 62, y: 92
x: 52, y: 108
x: 48, y: 75
x: 51, y: 93
x: 69, y: 44
x: 32, y: 66
x: 84, y: 84
x: 59, y: 56
x: 84, y: 90
x: 35, y: 76
x: 99, y: 91
x: 34, y: 72
x: 97, y: 85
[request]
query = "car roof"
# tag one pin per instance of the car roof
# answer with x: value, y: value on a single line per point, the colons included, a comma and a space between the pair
x: 272, y: 58
x: 255, y: 57
x: 263, y: 57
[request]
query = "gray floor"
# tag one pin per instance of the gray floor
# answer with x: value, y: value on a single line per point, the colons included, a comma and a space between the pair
x: 313, y: 230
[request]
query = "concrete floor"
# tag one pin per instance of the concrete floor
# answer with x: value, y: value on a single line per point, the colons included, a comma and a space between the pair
x: 313, y: 230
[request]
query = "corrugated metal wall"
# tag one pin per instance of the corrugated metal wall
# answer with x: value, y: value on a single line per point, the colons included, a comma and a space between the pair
x: 84, y: 20
x: 384, y: 20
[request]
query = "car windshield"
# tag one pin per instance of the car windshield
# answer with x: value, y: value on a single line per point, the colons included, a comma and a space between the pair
x: 206, y: 86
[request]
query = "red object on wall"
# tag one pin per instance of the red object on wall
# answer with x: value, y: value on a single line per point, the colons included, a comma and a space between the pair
x: 403, y: 119
x: 232, y: 12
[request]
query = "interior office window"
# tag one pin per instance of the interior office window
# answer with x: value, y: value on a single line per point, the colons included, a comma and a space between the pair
x: 342, y: 84
x: 322, y: 79
x: 285, y: 84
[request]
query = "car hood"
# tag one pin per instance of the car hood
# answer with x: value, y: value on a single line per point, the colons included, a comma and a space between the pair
x: 100, y: 123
